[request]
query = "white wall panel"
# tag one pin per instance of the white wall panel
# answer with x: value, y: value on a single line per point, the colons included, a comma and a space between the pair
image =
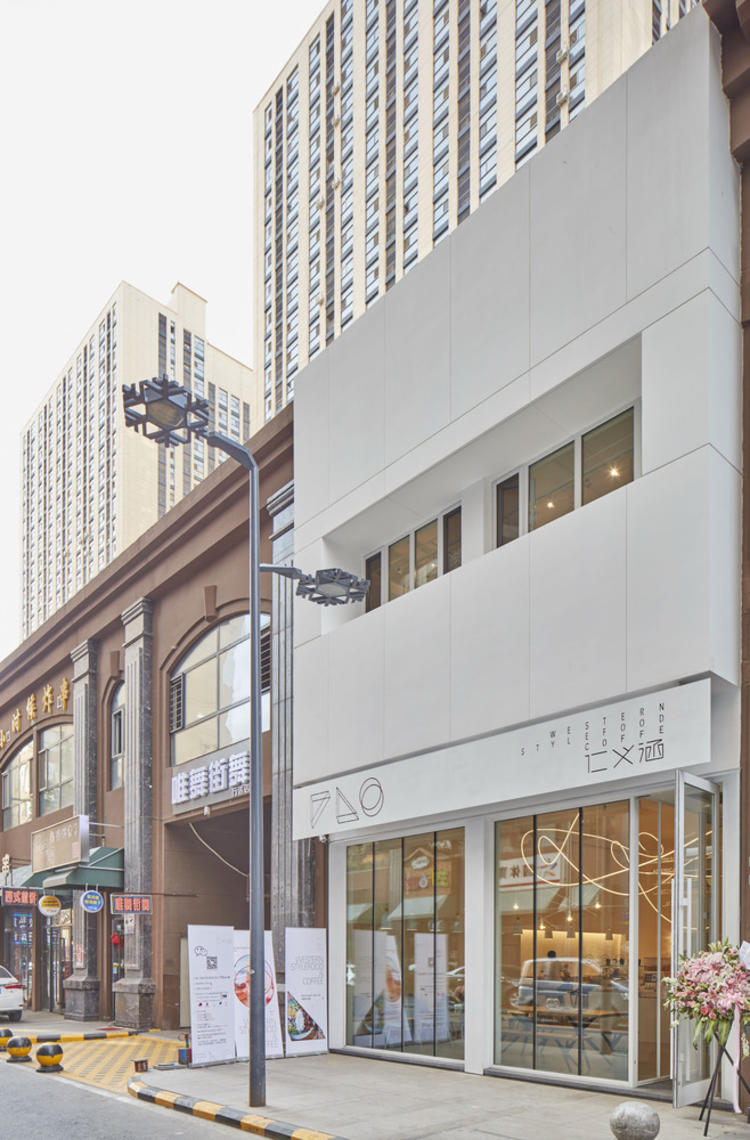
x: 357, y: 404
x: 577, y: 597
x: 668, y: 573
x: 691, y: 383
x: 489, y: 315
x: 417, y: 354
x: 417, y: 698
x: 357, y: 664
x: 577, y: 228
x: 311, y: 753
x: 490, y: 642
x: 725, y: 556
x: 667, y: 175
x: 311, y: 440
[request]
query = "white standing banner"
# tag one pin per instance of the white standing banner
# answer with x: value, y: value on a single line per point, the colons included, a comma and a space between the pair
x: 306, y: 1021
x: 241, y: 988
x: 210, y: 957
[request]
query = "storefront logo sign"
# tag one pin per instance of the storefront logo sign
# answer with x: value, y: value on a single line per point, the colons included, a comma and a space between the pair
x: 49, y: 905
x: 50, y: 702
x: 658, y: 732
x: 92, y: 901
x: 229, y: 776
x: 131, y: 904
x: 60, y: 844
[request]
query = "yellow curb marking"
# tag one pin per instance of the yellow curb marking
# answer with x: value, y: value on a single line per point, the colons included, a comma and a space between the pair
x: 206, y: 1109
x: 165, y: 1097
x: 253, y: 1123
x: 308, y: 1134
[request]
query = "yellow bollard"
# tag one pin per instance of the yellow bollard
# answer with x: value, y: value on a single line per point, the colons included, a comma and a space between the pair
x: 19, y: 1049
x: 49, y: 1057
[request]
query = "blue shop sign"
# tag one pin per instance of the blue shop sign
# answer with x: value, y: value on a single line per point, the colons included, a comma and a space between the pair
x: 92, y: 901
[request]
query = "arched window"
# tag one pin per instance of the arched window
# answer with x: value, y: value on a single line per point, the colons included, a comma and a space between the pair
x: 16, y: 787
x: 209, y: 690
x: 55, y: 768
x: 116, y: 735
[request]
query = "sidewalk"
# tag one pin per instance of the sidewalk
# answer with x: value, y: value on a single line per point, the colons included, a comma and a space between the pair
x: 360, y: 1099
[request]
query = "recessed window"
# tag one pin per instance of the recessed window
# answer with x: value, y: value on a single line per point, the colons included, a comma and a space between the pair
x: 55, y: 768
x: 398, y: 568
x: 452, y: 540
x: 209, y: 689
x: 415, y: 559
x: 607, y: 457
x: 373, y: 573
x: 508, y: 514
x: 16, y: 787
x: 425, y: 554
x: 116, y: 736
x: 551, y: 486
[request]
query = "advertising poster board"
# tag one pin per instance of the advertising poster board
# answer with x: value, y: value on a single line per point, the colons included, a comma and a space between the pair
x: 210, y: 957
x: 431, y: 1013
x: 306, y: 1020
x: 241, y: 997
x: 363, y: 1010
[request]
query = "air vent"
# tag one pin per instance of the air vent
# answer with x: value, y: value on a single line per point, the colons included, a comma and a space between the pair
x: 177, y: 703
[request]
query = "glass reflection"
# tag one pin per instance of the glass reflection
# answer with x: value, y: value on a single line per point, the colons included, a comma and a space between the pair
x: 551, y: 487
x: 398, y: 568
x: 607, y: 457
x: 405, y: 944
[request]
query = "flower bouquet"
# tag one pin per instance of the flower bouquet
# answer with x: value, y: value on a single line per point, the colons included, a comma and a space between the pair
x: 709, y: 989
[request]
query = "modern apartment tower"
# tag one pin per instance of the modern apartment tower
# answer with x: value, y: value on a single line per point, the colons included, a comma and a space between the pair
x: 90, y: 487
x: 388, y: 126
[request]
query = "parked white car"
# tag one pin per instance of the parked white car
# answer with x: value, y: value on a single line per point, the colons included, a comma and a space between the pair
x: 11, y: 996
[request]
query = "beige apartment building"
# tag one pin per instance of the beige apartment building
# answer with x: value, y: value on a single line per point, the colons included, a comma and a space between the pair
x: 90, y: 487
x: 389, y: 125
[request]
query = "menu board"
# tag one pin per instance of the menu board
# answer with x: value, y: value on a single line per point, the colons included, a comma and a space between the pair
x: 241, y: 991
x: 211, y: 957
x: 306, y: 1020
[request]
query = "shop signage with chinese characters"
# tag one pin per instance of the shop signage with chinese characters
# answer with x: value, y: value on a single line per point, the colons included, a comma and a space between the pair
x: 49, y: 905
x: 61, y: 844
x: 51, y: 701
x: 625, y: 740
x: 131, y: 904
x: 92, y: 901
x: 19, y: 896
x: 208, y: 782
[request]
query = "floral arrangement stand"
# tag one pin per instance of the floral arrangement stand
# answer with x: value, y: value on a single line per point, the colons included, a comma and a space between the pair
x: 708, y: 1102
x: 712, y: 989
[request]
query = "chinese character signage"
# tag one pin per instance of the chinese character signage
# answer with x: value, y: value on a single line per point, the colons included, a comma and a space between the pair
x: 61, y: 844
x: 624, y: 740
x: 131, y: 904
x: 221, y: 778
x: 26, y: 717
x: 20, y: 896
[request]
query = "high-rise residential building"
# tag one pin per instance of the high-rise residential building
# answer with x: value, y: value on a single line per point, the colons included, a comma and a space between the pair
x: 89, y: 486
x: 389, y: 124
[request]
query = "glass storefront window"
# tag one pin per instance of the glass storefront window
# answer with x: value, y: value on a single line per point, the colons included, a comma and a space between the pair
x: 405, y: 944
x: 562, y: 939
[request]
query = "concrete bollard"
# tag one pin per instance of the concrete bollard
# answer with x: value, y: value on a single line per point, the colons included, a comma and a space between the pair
x: 634, y: 1120
x: 19, y: 1049
x: 49, y: 1058
x: 5, y: 1036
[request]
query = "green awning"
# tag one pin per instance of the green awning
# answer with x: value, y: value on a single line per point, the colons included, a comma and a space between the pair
x: 104, y: 870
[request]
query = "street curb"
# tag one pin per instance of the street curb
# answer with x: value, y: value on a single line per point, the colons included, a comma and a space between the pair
x: 95, y: 1035
x: 224, y: 1114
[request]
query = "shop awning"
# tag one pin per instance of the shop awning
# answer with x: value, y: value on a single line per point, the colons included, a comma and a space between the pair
x: 104, y: 870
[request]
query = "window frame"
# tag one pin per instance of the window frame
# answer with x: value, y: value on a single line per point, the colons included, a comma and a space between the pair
x: 116, y: 717
x: 383, y: 552
x: 522, y: 470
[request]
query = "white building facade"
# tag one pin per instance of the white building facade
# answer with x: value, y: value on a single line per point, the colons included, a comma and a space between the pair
x: 524, y: 753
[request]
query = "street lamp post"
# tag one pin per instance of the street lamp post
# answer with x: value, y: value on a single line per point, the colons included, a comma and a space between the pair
x: 170, y: 414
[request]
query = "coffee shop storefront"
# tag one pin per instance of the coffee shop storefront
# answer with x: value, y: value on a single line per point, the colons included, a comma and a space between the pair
x: 530, y: 935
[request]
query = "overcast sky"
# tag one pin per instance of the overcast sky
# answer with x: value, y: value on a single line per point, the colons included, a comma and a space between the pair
x: 126, y: 154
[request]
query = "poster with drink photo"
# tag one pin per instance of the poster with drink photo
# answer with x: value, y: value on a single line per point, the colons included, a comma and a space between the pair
x: 241, y: 988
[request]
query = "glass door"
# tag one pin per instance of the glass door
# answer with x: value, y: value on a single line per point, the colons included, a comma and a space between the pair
x: 695, y: 913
